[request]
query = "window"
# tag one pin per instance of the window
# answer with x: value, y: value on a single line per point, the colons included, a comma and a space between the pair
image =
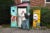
x: 25, y: 1
x: 47, y: 1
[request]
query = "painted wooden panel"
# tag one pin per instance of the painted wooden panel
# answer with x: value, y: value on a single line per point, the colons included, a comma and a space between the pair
x: 36, y: 18
x: 14, y: 16
x: 21, y: 16
x: 28, y: 8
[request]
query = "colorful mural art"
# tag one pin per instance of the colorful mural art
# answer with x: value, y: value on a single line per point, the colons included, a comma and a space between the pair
x: 14, y: 16
x: 18, y: 15
x: 36, y: 18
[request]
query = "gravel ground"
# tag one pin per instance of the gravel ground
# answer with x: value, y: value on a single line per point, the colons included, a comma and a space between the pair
x: 14, y: 30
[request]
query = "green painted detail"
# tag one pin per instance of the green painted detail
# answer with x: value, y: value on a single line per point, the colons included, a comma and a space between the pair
x: 14, y: 24
x: 28, y: 8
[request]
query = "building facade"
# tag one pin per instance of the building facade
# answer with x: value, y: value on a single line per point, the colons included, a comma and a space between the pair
x: 34, y: 2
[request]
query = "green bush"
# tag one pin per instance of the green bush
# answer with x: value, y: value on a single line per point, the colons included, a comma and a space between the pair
x: 45, y: 15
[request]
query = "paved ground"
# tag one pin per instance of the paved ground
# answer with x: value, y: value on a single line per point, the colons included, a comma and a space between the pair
x: 14, y: 30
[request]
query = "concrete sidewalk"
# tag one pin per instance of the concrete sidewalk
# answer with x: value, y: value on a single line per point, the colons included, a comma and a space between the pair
x: 14, y: 30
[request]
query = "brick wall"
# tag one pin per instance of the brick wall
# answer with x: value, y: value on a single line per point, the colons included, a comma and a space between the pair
x: 36, y: 3
x: 33, y: 2
x: 17, y: 1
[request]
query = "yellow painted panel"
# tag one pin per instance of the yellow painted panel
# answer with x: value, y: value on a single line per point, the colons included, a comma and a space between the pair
x: 34, y: 24
x: 38, y: 15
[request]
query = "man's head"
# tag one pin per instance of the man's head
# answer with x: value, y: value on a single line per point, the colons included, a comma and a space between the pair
x: 35, y: 16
